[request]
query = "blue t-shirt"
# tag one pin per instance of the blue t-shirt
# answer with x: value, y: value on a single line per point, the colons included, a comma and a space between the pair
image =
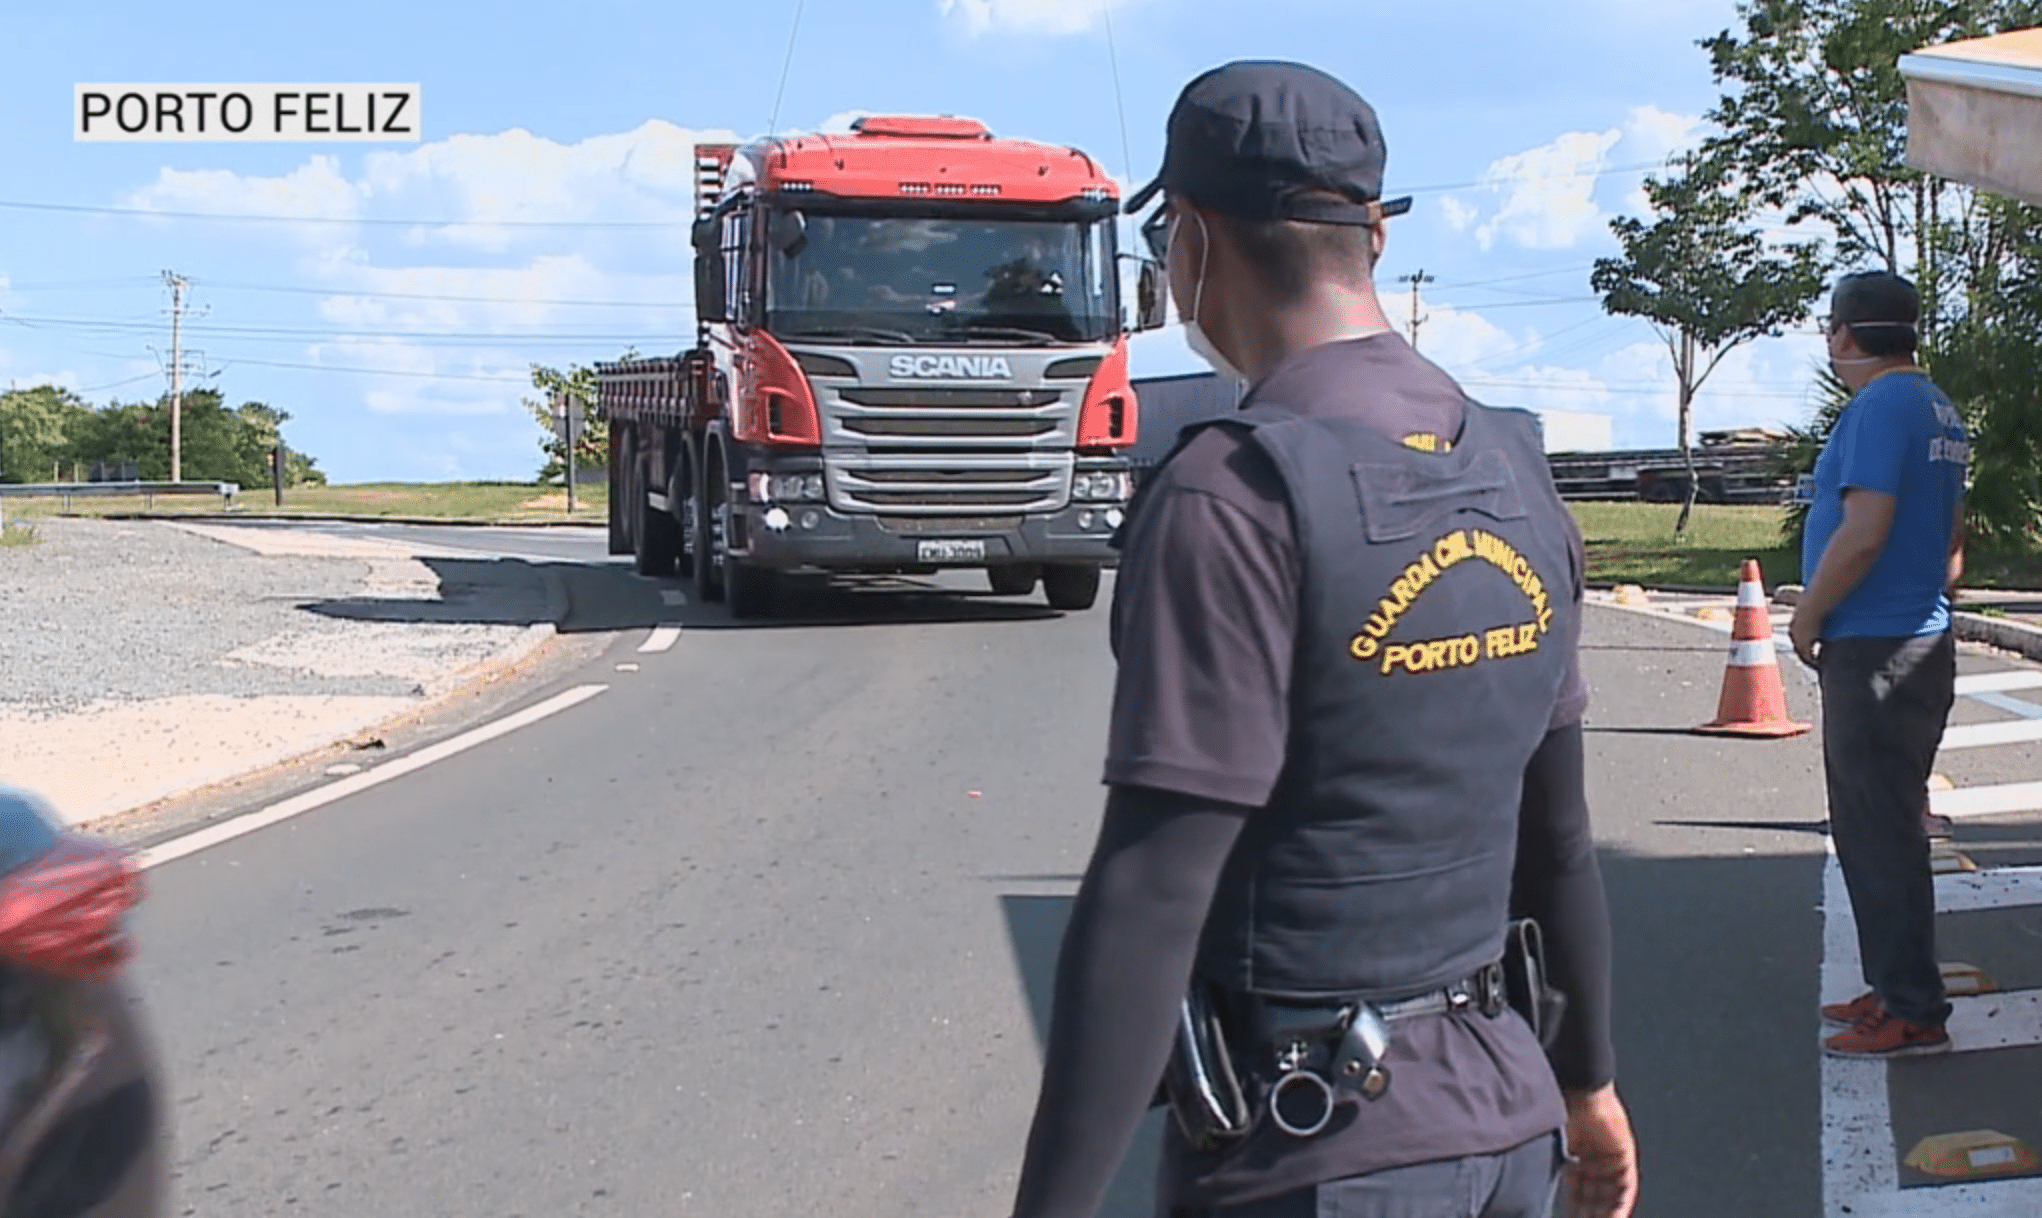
x: 1900, y: 436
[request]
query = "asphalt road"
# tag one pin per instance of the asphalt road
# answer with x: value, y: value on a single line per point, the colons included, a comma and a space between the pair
x: 767, y: 928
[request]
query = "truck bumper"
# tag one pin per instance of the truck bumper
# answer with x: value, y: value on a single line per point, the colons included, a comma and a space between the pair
x: 812, y: 535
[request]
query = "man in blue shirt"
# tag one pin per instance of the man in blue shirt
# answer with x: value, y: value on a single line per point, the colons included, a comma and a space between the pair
x: 1883, y: 551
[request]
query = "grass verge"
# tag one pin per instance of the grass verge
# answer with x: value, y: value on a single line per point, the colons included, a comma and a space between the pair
x: 12, y: 535
x: 1634, y: 543
x: 511, y: 502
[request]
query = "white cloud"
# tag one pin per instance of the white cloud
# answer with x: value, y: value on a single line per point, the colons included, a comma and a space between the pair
x: 1560, y: 194
x: 1460, y: 215
x: 503, y: 295
x: 315, y: 189
x: 840, y: 122
x: 1548, y: 192
x: 1027, y: 16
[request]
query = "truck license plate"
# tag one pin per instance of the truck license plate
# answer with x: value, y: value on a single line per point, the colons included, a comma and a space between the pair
x: 972, y: 550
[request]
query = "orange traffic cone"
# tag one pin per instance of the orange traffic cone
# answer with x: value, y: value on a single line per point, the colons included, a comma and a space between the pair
x: 1754, y: 701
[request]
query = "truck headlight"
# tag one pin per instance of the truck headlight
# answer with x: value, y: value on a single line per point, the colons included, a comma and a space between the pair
x: 798, y: 488
x: 1100, y: 487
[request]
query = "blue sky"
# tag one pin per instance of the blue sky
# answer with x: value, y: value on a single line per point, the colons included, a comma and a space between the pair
x: 399, y: 344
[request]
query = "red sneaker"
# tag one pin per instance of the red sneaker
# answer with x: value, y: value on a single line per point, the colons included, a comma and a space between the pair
x: 1845, y: 1014
x: 1881, y: 1035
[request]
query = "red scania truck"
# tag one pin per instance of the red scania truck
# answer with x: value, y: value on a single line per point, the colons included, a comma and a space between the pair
x: 911, y: 354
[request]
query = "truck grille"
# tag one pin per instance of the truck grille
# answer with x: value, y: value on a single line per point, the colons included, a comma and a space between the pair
x: 947, y: 486
x: 910, y: 417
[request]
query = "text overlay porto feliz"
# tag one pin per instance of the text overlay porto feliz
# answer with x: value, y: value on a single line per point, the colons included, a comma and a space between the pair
x: 313, y: 113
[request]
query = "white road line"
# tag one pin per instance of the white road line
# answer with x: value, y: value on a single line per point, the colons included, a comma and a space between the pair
x: 1999, y: 682
x: 673, y: 596
x: 660, y: 639
x: 2011, y: 1019
x: 298, y: 805
x: 1994, y: 800
x: 1997, y: 888
x: 1860, y: 1163
x: 1984, y: 735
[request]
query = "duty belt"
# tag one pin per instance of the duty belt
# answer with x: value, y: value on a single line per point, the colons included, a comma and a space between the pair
x: 1321, y: 1047
x: 1313, y: 1048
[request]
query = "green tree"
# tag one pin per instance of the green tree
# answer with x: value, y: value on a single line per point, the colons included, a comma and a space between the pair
x: 592, y: 438
x: 1814, y: 118
x: 1701, y: 272
x: 35, y: 429
x: 219, y: 444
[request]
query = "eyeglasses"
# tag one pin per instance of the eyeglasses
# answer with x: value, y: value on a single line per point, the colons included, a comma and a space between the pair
x: 1156, y: 231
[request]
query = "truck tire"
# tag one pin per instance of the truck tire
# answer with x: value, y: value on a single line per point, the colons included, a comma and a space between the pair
x: 748, y: 591
x: 620, y: 541
x: 659, y: 540
x: 624, y: 491
x: 1012, y: 579
x: 707, y: 550
x: 1071, y: 587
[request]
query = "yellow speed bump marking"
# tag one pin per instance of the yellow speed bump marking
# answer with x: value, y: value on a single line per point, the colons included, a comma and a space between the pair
x: 1967, y: 980
x: 1632, y: 594
x: 1941, y: 782
x: 1945, y: 861
x: 1972, y: 1153
x: 1713, y: 613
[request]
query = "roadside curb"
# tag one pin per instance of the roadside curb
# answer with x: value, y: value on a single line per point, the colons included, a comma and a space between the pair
x: 2007, y: 635
x: 455, y: 522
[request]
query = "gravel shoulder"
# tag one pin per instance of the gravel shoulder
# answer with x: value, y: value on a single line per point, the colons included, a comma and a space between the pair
x: 142, y: 660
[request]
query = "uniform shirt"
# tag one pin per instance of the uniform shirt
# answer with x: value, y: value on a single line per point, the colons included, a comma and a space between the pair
x: 1205, y: 616
x: 1899, y: 436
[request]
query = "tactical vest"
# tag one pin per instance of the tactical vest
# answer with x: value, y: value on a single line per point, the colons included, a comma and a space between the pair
x: 1436, y: 593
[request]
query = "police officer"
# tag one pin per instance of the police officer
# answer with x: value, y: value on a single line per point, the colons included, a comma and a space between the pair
x: 1345, y: 756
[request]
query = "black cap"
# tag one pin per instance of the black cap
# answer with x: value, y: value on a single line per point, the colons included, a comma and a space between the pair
x: 1244, y: 139
x: 1879, y: 298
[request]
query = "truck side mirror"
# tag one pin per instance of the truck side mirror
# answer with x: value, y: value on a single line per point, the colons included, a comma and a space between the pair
x: 789, y: 232
x: 709, y: 278
x: 1152, y: 298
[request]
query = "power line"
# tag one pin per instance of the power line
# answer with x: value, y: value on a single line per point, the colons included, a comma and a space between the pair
x: 253, y: 218
x: 294, y: 334
x: 248, y: 218
x: 433, y: 296
x: 431, y: 376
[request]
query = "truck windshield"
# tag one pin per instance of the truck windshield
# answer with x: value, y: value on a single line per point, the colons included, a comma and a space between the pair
x: 881, y: 279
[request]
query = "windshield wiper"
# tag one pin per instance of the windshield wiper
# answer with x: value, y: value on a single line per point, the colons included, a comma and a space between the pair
x: 877, y: 334
x: 1039, y: 338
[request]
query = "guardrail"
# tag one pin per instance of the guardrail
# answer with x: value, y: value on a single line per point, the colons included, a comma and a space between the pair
x: 148, y: 490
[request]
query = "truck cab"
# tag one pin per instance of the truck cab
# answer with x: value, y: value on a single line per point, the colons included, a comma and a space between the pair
x: 912, y: 355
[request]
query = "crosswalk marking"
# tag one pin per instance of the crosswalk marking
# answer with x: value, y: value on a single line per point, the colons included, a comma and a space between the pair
x: 1996, y: 888
x: 1984, y: 735
x: 1995, y: 800
x: 1999, y: 682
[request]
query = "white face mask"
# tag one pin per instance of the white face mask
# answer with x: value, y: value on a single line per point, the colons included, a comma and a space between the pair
x: 1195, y: 336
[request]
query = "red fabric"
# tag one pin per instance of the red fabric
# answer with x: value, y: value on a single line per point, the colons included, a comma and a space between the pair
x: 62, y: 913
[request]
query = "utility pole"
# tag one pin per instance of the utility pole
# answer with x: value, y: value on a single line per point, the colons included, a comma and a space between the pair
x: 1417, y: 279
x: 178, y: 284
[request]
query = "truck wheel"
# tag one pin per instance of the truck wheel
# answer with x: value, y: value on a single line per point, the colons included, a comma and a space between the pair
x: 708, y: 547
x: 659, y: 541
x: 1012, y: 579
x: 626, y: 491
x: 620, y: 541
x: 1071, y: 588
x: 749, y: 590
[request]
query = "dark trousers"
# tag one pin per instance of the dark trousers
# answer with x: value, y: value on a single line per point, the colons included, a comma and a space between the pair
x: 1518, y: 1183
x: 1884, y: 704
